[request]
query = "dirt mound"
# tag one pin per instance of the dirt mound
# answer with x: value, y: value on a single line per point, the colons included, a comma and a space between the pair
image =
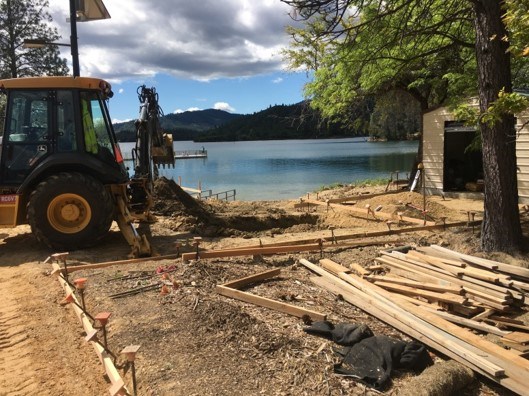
x: 170, y: 199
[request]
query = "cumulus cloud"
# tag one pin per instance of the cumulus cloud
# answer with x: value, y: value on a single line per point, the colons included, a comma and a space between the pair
x: 277, y: 80
x: 180, y: 111
x: 223, y: 106
x: 201, y: 40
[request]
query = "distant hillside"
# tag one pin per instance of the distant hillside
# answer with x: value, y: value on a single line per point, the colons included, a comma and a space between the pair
x: 183, y: 126
x: 296, y: 121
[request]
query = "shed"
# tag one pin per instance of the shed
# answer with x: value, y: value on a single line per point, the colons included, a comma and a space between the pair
x: 451, y: 171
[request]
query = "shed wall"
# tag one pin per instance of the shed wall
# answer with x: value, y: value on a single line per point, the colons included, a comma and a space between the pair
x: 433, y: 151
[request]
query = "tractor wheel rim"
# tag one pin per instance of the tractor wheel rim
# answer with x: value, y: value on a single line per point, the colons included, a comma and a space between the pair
x: 69, y: 213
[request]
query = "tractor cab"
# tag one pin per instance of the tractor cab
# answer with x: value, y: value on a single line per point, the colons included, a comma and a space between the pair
x: 53, y: 125
x: 50, y: 120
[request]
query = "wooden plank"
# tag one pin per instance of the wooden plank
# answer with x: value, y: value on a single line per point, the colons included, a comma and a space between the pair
x: 472, y: 324
x: 505, y: 300
x: 251, y: 252
x: 506, y: 268
x: 419, y: 285
x: 507, y: 324
x: 515, y: 345
x: 418, y: 301
x: 269, y: 303
x: 505, y: 320
x: 472, y: 272
x: 428, y: 252
x: 73, y: 268
x: 518, y: 336
x: 359, y: 269
x: 429, y: 295
x: 484, y: 315
x: 334, y: 267
x: 489, y: 303
x: 238, y: 283
x: 394, y: 260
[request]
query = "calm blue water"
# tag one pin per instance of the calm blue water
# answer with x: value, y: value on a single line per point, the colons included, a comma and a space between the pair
x: 287, y: 169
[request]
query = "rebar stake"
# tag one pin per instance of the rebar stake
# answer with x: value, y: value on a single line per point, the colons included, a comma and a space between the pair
x: 196, y: 243
x: 69, y: 299
x: 332, y: 228
x: 92, y: 336
x: 130, y: 352
x: 61, y: 257
x: 320, y: 243
x: 102, y: 318
x: 80, y: 285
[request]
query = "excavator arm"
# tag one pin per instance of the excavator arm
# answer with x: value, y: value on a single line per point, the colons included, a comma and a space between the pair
x: 153, y: 148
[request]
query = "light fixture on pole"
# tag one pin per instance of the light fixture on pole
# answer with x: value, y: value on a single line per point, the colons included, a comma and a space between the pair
x: 39, y: 43
x: 82, y: 11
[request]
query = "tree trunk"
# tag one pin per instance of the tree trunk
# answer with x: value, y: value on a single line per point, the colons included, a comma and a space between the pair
x: 501, y: 229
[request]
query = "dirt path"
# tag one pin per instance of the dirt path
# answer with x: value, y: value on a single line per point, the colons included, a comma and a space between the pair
x: 34, y: 328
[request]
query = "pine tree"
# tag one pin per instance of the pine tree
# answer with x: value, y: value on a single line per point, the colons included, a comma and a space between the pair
x: 28, y: 19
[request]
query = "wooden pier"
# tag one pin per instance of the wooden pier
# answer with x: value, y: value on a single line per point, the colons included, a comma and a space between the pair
x: 189, y: 154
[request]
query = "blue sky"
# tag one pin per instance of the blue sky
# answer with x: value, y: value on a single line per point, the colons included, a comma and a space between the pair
x: 198, y: 55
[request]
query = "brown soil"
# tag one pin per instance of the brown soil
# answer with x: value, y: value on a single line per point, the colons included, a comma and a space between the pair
x: 193, y: 340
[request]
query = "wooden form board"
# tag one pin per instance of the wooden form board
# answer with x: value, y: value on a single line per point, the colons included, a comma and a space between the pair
x: 264, y: 250
x: 251, y: 251
x: 370, y: 234
x: 481, y: 355
x: 230, y: 290
x: 371, y: 215
x: 120, y: 262
x: 118, y: 385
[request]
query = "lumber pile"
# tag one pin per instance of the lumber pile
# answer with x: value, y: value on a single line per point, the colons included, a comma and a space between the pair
x: 442, y: 300
x: 460, y: 283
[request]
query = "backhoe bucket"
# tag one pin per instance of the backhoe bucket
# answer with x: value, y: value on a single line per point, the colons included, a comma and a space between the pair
x: 164, y: 154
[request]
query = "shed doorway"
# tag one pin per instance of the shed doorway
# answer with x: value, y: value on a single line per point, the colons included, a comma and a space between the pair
x: 462, y: 168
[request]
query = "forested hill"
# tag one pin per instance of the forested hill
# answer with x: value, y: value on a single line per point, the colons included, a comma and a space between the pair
x: 183, y: 126
x: 297, y: 121
x: 391, y: 117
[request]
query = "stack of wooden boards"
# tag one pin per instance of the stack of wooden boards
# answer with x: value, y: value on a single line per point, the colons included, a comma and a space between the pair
x: 429, y: 293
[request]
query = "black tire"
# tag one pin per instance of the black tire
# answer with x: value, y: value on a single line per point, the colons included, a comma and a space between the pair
x: 70, y: 211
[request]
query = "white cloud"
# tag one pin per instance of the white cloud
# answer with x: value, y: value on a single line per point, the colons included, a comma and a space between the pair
x: 277, y: 80
x: 116, y: 121
x: 201, y: 40
x: 121, y: 90
x: 223, y: 106
x: 180, y: 111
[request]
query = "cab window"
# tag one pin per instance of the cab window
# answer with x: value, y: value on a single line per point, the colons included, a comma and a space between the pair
x: 29, y: 117
x: 97, y: 139
x: 66, y: 136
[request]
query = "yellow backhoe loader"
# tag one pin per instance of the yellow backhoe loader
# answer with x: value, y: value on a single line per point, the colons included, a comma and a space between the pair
x: 62, y: 170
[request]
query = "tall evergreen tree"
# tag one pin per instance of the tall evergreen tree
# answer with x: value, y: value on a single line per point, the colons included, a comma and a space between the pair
x: 28, y: 19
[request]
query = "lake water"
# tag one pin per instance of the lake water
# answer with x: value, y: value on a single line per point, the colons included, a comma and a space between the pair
x: 287, y: 169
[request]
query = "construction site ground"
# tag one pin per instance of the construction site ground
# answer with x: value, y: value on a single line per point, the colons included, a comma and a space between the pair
x: 193, y: 340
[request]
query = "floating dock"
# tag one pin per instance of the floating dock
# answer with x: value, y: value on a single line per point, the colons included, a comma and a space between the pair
x: 188, y: 154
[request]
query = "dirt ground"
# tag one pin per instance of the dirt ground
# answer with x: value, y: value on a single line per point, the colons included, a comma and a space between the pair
x: 193, y: 340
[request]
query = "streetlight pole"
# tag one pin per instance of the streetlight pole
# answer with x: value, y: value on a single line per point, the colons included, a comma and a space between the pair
x: 73, y: 38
